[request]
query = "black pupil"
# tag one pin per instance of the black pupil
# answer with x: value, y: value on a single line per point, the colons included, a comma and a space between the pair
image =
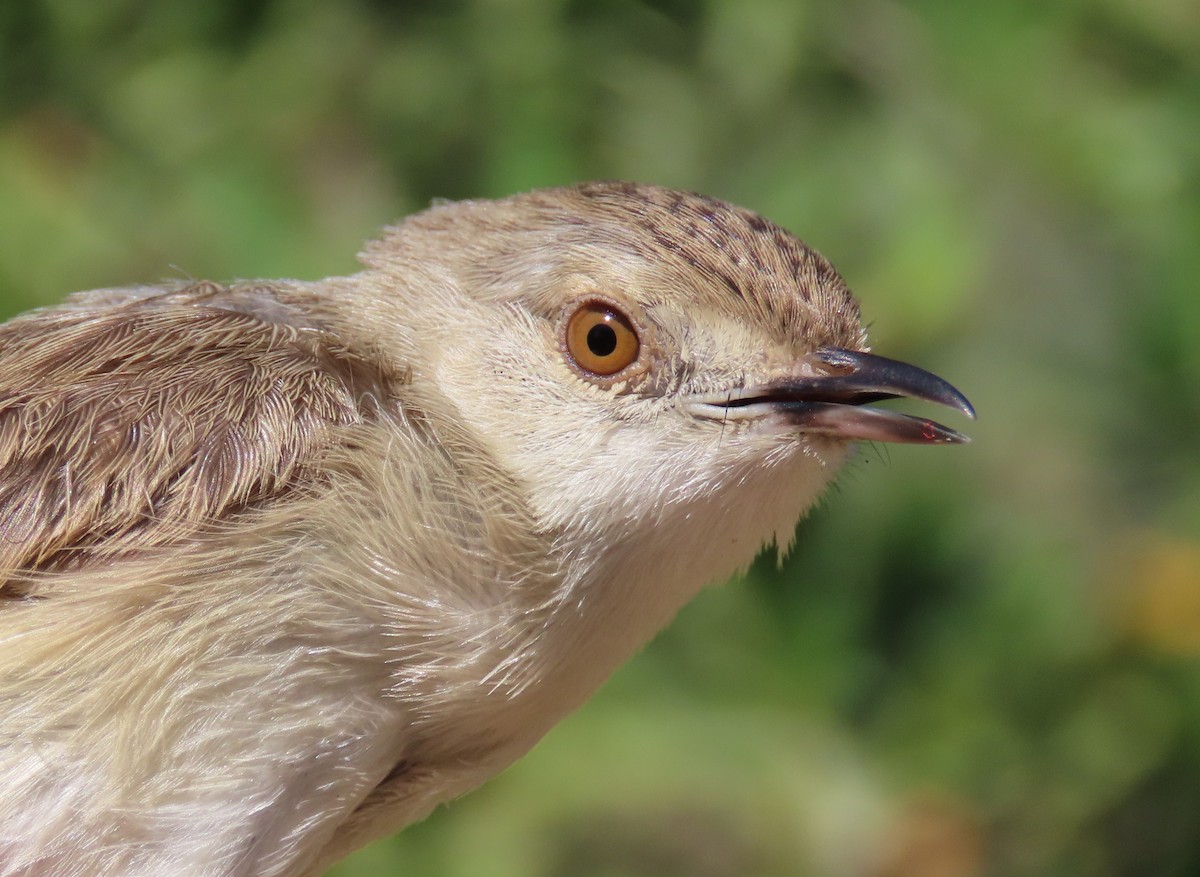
x: 602, y: 339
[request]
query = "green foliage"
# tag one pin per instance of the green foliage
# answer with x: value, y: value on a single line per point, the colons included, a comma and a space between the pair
x: 974, y: 661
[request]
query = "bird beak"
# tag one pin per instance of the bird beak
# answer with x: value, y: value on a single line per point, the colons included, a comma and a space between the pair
x: 832, y: 404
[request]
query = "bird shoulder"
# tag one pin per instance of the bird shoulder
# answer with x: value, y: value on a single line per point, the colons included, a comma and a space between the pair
x: 134, y: 418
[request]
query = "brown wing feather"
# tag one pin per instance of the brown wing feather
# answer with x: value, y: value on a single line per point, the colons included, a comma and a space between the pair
x: 131, y: 424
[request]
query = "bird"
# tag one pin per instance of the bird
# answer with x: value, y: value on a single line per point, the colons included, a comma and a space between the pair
x: 286, y: 564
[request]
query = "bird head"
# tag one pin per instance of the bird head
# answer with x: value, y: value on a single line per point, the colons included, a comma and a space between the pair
x: 645, y: 348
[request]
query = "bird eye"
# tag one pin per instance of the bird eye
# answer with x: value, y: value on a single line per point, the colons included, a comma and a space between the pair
x: 600, y: 339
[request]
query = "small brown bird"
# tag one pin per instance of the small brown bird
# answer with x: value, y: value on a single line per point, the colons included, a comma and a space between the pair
x: 283, y: 565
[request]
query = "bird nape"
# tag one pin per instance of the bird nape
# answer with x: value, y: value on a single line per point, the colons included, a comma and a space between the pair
x: 286, y: 564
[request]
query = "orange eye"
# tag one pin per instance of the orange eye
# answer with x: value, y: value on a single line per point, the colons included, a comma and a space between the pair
x: 600, y: 339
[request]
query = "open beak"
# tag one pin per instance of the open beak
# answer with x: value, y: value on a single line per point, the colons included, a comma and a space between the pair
x: 832, y: 404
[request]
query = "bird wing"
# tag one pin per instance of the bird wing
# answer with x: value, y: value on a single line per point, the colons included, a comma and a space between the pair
x: 130, y: 419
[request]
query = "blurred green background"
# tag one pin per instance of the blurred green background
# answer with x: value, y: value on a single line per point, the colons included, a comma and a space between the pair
x: 975, y: 661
